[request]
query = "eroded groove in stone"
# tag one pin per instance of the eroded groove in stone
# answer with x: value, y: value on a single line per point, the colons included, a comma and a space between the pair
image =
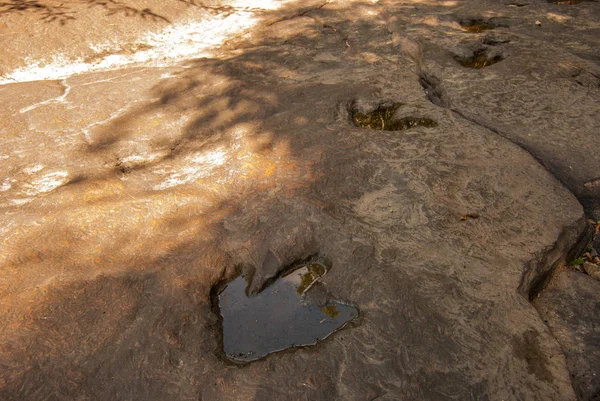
x: 572, y: 240
x: 568, y: 245
x: 570, y: 309
x: 383, y: 119
x: 289, y: 313
x: 433, y: 89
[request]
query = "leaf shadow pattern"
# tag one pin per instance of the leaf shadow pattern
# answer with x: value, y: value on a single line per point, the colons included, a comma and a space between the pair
x: 65, y: 12
x: 114, y: 7
x: 68, y: 10
x: 47, y: 13
x: 154, y: 343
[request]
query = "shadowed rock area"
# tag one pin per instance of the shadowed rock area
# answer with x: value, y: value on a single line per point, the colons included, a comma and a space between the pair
x: 129, y: 192
x: 572, y: 310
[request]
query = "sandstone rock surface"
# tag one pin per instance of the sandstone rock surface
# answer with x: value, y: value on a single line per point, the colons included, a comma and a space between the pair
x: 572, y: 310
x: 128, y: 193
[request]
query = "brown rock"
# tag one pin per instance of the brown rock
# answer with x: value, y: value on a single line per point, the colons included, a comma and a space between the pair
x: 593, y: 270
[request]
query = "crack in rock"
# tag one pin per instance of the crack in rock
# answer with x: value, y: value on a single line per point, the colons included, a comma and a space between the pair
x: 570, y: 242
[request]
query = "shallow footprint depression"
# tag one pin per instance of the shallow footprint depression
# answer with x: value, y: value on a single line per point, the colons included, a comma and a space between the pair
x: 480, y: 59
x: 384, y: 118
x: 477, y: 25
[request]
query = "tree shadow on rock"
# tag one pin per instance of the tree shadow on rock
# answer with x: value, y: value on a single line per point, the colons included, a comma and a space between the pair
x: 68, y: 10
x: 46, y: 12
x: 242, y: 178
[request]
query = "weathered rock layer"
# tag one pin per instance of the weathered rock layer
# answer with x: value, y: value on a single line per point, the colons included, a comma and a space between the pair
x: 128, y: 194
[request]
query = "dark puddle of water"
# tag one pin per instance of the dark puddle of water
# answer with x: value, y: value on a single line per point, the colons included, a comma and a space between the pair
x: 283, y: 315
x: 477, y: 25
x: 479, y: 59
x: 382, y: 118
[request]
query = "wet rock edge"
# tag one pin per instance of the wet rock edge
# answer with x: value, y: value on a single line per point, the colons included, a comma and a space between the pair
x: 571, y: 242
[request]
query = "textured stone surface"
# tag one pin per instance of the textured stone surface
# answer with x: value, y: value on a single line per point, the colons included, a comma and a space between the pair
x: 543, y: 96
x: 571, y: 308
x: 592, y: 270
x: 128, y: 194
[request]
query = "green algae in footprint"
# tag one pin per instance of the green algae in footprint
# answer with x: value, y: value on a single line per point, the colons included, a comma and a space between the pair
x: 280, y: 317
x: 383, y: 118
x: 311, y: 273
x: 479, y: 59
